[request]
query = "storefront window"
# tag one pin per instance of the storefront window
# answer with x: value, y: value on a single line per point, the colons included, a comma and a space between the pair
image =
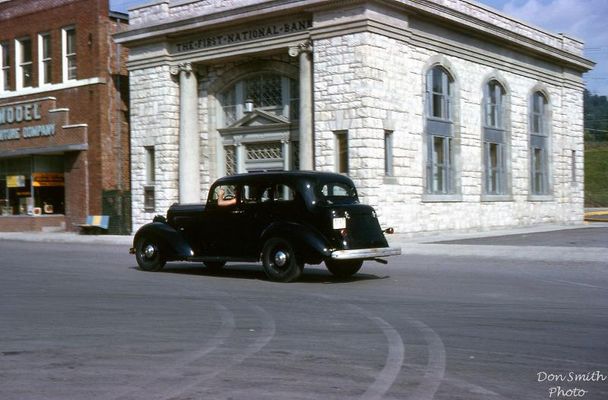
x: 32, y: 186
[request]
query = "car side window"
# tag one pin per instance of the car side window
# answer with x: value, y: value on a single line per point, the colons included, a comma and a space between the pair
x: 225, y: 192
x: 250, y: 194
x: 266, y: 195
x: 277, y: 193
x: 284, y: 193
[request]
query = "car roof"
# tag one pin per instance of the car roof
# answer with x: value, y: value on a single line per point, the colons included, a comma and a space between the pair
x: 285, y: 176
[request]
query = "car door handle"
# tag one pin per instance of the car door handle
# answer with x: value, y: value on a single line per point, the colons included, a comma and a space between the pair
x: 238, y: 212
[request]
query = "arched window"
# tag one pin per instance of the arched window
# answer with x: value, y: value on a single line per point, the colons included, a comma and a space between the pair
x: 539, y: 144
x: 439, y: 132
x: 439, y: 86
x: 267, y: 92
x: 495, y: 139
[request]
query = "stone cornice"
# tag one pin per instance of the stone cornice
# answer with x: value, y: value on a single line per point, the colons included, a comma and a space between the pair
x: 476, y: 24
x: 480, y: 28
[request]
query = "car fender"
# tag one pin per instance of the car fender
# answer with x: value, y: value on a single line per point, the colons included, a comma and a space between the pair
x: 172, y: 242
x: 307, y: 241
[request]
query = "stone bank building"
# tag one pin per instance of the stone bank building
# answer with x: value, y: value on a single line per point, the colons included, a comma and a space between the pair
x: 447, y: 114
x: 64, y: 136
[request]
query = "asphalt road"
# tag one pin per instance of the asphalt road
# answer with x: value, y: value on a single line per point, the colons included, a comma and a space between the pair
x: 80, y: 321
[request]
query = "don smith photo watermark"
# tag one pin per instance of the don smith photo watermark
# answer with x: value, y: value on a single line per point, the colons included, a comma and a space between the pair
x: 570, y: 385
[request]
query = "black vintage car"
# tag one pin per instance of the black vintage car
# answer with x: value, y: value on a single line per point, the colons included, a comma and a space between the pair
x: 284, y: 219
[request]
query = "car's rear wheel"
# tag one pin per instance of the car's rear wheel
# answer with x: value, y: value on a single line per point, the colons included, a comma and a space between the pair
x: 343, y: 268
x: 280, y: 261
x: 149, y: 254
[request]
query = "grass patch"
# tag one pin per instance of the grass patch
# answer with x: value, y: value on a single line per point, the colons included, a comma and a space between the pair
x: 596, y: 176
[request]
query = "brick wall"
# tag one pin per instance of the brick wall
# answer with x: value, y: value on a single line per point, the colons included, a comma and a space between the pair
x: 97, y: 100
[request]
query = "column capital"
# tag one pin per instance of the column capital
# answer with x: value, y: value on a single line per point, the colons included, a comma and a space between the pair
x: 302, y: 47
x: 183, y: 67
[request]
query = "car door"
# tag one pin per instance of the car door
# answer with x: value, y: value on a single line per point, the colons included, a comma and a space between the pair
x: 221, y: 224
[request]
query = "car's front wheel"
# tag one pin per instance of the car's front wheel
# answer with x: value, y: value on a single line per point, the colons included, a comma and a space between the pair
x: 149, y: 255
x: 343, y: 268
x: 280, y: 261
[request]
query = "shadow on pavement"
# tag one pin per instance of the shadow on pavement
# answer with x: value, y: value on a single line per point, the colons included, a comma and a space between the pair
x: 311, y: 274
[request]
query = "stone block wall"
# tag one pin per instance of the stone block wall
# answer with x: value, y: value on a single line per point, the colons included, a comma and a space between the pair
x: 366, y: 83
x: 369, y: 66
x: 154, y: 122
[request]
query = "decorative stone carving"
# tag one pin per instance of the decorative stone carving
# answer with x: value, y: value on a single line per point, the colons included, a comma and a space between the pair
x: 303, y: 47
x: 183, y: 67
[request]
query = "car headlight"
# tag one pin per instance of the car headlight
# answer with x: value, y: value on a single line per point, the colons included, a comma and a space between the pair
x: 339, y: 223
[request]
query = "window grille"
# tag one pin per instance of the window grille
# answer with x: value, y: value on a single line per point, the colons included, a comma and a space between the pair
x: 272, y: 93
x: 230, y: 155
x: 265, y: 91
x: 264, y: 151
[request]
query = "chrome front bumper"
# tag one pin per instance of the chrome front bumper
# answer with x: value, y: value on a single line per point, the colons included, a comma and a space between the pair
x: 365, y: 253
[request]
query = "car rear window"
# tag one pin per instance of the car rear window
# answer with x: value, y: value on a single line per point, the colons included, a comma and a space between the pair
x: 337, y: 193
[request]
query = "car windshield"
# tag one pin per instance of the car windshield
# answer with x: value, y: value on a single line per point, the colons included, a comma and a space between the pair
x: 337, y: 193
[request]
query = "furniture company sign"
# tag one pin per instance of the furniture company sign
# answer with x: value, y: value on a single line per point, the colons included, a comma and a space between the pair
x: 16, y: 114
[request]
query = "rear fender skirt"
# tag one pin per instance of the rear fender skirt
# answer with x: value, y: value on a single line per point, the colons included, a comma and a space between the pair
x: 172, y: 242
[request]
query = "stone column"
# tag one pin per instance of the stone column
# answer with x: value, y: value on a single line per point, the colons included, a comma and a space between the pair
x: 189, y: 157
x: 304, y: 52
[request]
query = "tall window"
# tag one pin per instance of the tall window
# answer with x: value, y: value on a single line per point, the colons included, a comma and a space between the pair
x: 439, y: 132
x: 573, y: 179
x: 539, y: 145
x: 388, y: 153
x: 342, y: 152
x: 5, y: 66
x: 69, y: 53
x: 439, y: 84
x: 45, y: 61
x: 494, y: 140
x: 149, y: 198
x: 24, y: 62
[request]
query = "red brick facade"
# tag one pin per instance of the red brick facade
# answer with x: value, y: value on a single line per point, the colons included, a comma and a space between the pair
x: 83, y: 120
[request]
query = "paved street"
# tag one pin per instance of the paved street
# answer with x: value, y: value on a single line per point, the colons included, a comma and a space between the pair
x: 520, y: 316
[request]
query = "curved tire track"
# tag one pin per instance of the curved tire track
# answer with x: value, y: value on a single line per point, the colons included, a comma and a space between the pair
x: 394, y: 359
x: 226, y: 330
x: 266, y: 334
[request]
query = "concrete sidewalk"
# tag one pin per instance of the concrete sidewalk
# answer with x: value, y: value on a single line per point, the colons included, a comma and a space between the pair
x: 415, y: 243
x: 394, y: 239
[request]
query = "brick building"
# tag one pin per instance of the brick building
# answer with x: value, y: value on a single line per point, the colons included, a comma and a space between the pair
x: 64, y: 136
x: 447, y: 114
